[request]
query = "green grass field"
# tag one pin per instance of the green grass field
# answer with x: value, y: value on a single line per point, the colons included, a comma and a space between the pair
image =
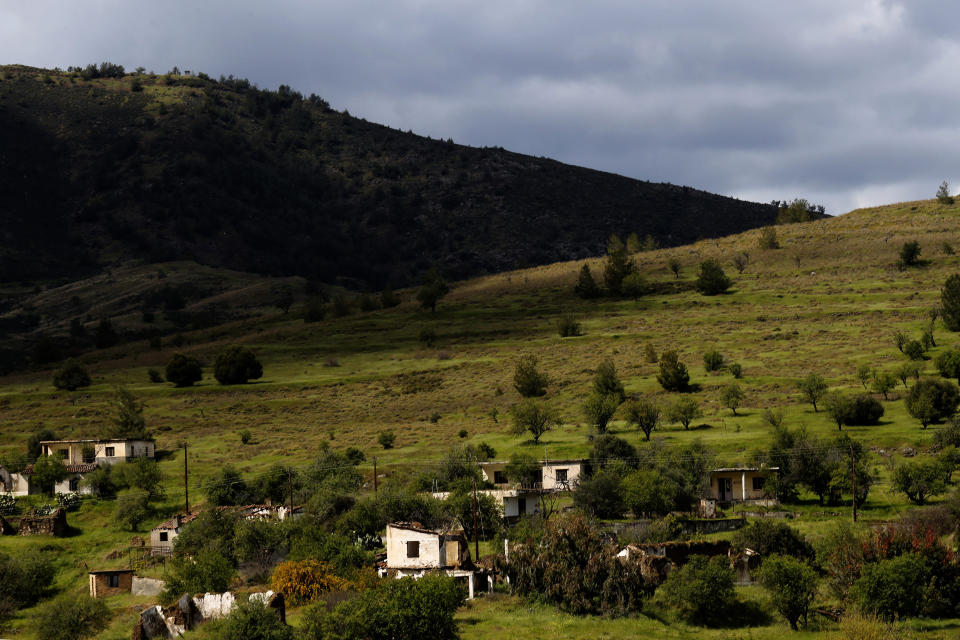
x: 827, y: 301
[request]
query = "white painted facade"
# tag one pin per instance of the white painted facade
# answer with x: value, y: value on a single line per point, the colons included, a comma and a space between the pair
x: 561, y: 475
x: 513, y: 503
x: 103, y: 451
x: 413, y: 548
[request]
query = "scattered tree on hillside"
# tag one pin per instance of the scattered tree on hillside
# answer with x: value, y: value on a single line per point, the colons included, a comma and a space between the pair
x: 792, y: 585
x: 932, y: 400
x: 644, y: 414
x: 701, y: 590
x: 920, y: 480
x: 909, y: 254
x: 711, y: 279
x: 586, y: 286
x: 599, y: 410
x: 883, y: 383
x: 950, y: 302
x: 732, y: 395
x: 236, y: 365
x: 813, y: 388
x: 534, y: 417
x: 607, y: 383
x: 675, y: 265
x: 528, y: 380
x: 618, y: 265
x: 71, y: 376
x: 943, y: 193
x: 127, y: 420
x: 712, y: 360
x: 434, y: 288
x: 900, y: 340
x: 684, y: 410
x: 740, y: 261
x: 183, y: 370
x: 948, y: 363
x: 915, y: 350
x: 634, y: 285
x: 47, y: 472
x: 768, y: 239
x: 800, y: 210
x: 673, y: 374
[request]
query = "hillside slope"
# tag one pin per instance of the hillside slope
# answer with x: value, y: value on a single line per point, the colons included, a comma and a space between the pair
x: 161, y: 168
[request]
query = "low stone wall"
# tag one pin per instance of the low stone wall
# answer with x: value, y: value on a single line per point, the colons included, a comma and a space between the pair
x: 715, y: 525
x: 680, y: 552
x: 52, y: 525
x: 189, y: 612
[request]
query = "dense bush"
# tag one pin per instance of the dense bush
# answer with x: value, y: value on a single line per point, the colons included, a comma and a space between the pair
x: 404, y: 609
x: 701, y: 590
x: 920, y: 480
x: 892, y: 587
x: 253, y: 620
x: 27, y: 577
x: 650, y: 493
x: 713, y: 360
x: 386, y: 439
x: 72, y: 618
x: 183, y: 370
x: 864, y: 410
x: 236, y: 365
x: 711, y: 280
x: 133, y: 507
x: 600, y: 496
x: 575, y: 568
x: 71, y: 376
x: 304, y: 581
x: 673, y: 374
x: 568, y: 326
x: 586, y: 286
x: 950, y: 302
x: 207, y: 571
x: 768, y: 537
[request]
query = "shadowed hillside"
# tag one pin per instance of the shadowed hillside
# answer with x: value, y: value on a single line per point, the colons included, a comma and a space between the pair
x: 176, y: 167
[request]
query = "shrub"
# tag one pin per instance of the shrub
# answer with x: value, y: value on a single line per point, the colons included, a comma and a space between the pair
x: 155, y: 376
x: 568, y: 326
x: 304, y: 581
x: 948, y: 363
x: 931, y: 401
x: 736, y: 370
x: 711, y: 279
x: 99, y: 481
x: 404, y: 609
x: 387, y: 439
x: 27, y: 577
x: 253, y: 620
x: 713, y: 360
x: 606, y: 382
x: 943, y: 193
x: 649, y: 493
x: 914, y: 350
x: 141, y: 473
x: 236, y: 365
x: 427, y: 336
x: 599, y: 410
x: 245, y: 436
x: 792, y: 585
x: 673, y: 374
x: 209, y: 570
x: 732, y: 395
x: 528, y: 380
x: 650, y: 353
x: 132, y: 509
x: 892, y: 587
x: 910, y: 254
x: 72, y: 376
x: 634, y: 285
x: 72, y: 618
x: 768, y: 238
x: 701, y: 590
x: 618, y: 265
x: 183, y: 370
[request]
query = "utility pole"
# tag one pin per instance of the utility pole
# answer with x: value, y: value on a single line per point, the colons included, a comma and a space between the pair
x: 374, y: 474
x: 186, y: 484
x: 476, y: 530
x: 853, y: 481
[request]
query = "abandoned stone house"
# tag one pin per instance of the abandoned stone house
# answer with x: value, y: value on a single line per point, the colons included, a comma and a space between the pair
x: 413, y: 551
x: 163, y: 535
x: 110, y: 582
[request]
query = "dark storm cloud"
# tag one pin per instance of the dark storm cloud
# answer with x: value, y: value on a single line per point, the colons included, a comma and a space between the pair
x: 843, y: 102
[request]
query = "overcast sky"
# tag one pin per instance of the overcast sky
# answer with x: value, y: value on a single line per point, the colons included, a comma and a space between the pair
x: 847, y: 103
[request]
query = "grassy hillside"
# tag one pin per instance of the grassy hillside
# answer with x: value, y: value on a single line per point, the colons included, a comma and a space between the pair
x: 827, y: 301
x: 184, y: 167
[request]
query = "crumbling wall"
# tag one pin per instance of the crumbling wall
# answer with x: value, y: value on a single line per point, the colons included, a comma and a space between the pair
x: 52, y: 525
x: 189, y: 612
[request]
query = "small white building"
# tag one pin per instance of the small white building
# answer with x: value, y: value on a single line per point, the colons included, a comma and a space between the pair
x: 413, y: 551
x: 555, y: 475
x: 513, y: 503
x: 98, y: 451
x: 15, y: 484
x: 163, y: 535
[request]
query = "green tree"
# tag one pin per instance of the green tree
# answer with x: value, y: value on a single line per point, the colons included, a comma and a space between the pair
x: 72, y: 618
x: 127, y: 421
x: 943, y: 193
x: 883, y: 383
x: 650, y: 493
x: 768, y: 239
x: 586, y: 286
x: 792, y: 585
x: 931, y: 400
x: 618, y: 265
x: 711, y: 280
x: 47, y: 472
x: 208, y: 570
x: 675, y: 265
x: 528, y: 380
x: 768, y: 537
x: 141, y: 473
x: 813, y: 388
x: 950, y: 302
x: 132, y: 509
x: 712, y: 360
x: 599, y: 410
x: 227, y: 487
x: 701, y: 590
x: 534, y: 417
x: 433, y: 289
x: 909, y: 254
x: 673, y: 374
x: 607, y: 383
x: 600, y: 496
x: 732, y: 395
x: 684, y: 410
x: 920, y: 480
x: 839, y: 407
x: 948, y: 364
x: 183, y: 370
x: 634, y: 285
x: 236, y: 365
x: 386, y: 439
x: 71, y: 376
x: 644, y: 414
x: 892, y: 587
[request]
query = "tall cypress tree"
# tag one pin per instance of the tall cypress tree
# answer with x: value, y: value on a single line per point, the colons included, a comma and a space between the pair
x: 950, y: 302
